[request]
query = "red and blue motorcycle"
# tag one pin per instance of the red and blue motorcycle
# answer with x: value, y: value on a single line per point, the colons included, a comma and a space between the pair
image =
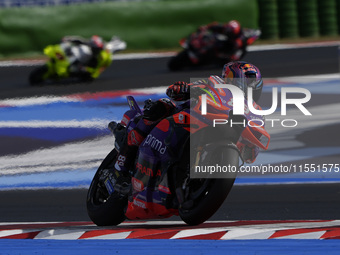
x: 162, y: 182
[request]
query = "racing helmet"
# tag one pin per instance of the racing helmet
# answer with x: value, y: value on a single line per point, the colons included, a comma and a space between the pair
x: 234, y: 26
x: 97, y: 41
x: 243, y: 75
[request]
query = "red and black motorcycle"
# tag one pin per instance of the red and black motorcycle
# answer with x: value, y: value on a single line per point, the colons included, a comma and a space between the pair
x: 204, y: 48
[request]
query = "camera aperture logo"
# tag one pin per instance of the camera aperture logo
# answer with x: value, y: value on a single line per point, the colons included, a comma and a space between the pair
x: 239, y: 107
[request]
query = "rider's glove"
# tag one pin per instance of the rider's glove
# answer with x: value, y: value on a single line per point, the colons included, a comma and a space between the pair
x: 178, y: 91
x: 157, y: 110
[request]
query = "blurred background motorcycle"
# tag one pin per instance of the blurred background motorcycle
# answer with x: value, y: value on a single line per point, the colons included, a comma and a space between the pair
x: 76, y: 59
x: 214, y: 44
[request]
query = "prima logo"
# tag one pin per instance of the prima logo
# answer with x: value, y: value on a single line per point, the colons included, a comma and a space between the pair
x: 154, y: 143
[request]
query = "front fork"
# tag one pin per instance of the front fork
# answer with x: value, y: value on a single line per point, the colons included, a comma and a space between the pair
x: 117, y: 180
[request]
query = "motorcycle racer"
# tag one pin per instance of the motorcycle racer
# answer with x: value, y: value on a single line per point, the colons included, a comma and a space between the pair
x: 76, y: 59
x: 220, y: 38
x: 84, y: 54
x: 240, y: 74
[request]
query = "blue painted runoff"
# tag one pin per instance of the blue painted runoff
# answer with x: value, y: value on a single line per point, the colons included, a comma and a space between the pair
x: 167, y: 247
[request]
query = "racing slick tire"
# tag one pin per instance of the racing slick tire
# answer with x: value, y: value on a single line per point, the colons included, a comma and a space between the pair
x: 105, y: 209
x: 207, y: 195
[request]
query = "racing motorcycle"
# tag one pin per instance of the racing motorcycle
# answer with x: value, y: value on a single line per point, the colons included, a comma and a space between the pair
x: 163, y: 180
x: 221, y: 51
x: 64, y: 62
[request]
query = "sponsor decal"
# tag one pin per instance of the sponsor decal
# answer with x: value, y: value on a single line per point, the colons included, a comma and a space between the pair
x: 147, y: 170
x: 125, y: 120
x: 137, y: 184
x: 164, y: 189
x: 139, y: 204
x: 109, y: 186
x: 155, y: 144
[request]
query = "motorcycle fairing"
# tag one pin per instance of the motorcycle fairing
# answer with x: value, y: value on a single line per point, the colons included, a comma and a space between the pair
x: 104, y: 61
x: 157, y: 155
x: 58, y: 62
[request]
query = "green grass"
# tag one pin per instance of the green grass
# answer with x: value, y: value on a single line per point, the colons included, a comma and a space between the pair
x: 146, y: 25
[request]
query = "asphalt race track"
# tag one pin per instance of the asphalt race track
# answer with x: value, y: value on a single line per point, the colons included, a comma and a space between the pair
x: 266, y: 202
x: 152, y: 72
x: 307, y: 201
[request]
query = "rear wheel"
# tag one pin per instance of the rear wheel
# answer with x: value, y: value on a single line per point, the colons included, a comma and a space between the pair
x: 179, y: 61
x: 203, y: 197
x: 103, y: 208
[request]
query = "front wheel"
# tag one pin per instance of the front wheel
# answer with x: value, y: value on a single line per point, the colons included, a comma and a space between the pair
x: 103, y: 208
x: 203, y: 197
x: 37, y: 76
